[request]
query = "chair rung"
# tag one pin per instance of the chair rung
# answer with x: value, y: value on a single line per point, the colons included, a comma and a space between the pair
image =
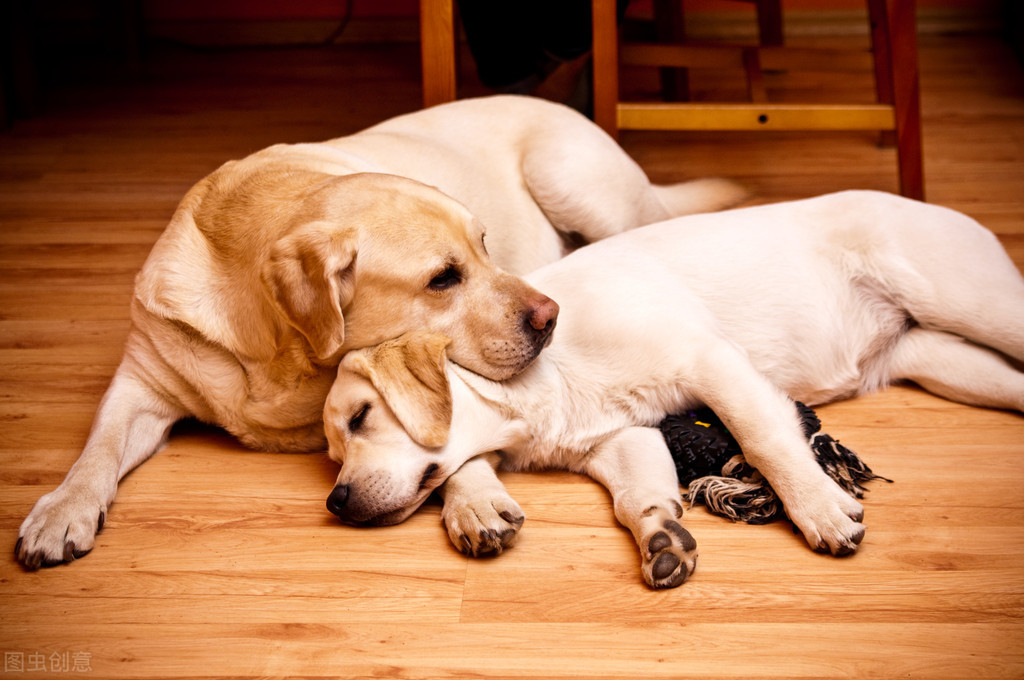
x: 696, y: 116
x: 697, y: 55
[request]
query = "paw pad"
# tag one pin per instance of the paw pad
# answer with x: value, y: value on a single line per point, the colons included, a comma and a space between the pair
x: 670, y: 557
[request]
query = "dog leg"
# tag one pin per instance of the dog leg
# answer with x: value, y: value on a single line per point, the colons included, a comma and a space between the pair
x: 131, y: 424
x: 636, y: 468
x: 960, y: 278
x: 766, y: 424
x: 597, y: 191
x: 954, y: 368
x: 480, y: 516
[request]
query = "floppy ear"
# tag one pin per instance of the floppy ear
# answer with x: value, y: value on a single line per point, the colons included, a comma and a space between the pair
x: 310, y: 276
x: 410, y: 374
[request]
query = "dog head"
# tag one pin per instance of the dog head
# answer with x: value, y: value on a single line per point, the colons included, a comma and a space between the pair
x: 388, y: 418
x: 369, y: 257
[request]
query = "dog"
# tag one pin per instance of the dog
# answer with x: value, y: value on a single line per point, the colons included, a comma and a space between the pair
x: 275, y: 265
x: 743, y: 311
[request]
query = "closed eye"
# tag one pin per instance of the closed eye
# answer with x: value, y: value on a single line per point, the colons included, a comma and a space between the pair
x: 355, y: 423
x: 428, y: 474
x: 447, y: 278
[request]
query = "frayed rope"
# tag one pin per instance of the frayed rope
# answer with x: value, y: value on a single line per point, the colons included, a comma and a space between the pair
x: 711, y: 465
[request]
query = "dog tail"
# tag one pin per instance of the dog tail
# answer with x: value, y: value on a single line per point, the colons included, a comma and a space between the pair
x: 700, y: 195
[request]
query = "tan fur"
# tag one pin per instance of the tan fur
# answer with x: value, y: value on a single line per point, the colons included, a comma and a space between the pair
x: 276, y: 264
x: 413, y: 379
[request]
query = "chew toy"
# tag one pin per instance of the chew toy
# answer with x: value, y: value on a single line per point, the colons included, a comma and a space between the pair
x: 711, y: 465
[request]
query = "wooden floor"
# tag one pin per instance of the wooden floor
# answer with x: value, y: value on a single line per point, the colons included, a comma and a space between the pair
x: 220, y: 562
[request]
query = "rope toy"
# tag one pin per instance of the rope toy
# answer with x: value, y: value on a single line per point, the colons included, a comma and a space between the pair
x: 710, y: 464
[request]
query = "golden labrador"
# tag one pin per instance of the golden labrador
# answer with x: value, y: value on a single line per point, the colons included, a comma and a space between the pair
x: 275, y: 265
x: 816, y: 300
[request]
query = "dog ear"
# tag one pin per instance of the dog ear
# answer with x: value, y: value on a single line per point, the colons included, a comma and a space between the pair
x: 411, y: 375
x: 310, y: 276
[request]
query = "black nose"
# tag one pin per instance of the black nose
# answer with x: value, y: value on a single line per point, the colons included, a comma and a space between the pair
x: 336, y: 501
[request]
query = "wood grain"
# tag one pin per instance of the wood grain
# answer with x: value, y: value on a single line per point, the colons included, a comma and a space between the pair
x: 220, y: 562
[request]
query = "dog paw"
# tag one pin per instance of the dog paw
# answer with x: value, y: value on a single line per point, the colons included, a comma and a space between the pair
x: 483, y: 525
x: 830, y: 521
x: 669, y: 553
x: 61, y: 528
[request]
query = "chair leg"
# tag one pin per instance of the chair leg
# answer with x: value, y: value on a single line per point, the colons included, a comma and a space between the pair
x: 894, y: 42
x: 907, y: 97
x: 606, y: 66
x: 670, y: 28
x: 878, y: 18
x: 437, y: 45
x: 769, y: 22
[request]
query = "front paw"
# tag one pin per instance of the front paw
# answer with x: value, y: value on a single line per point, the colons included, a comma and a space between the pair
x: 485, y: 524
x: 61, y: 528
x: 830, y: 520
x: 669, y: 552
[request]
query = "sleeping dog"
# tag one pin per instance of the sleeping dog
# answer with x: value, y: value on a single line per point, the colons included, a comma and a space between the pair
x: 742, y: 311
x: 276, y: 264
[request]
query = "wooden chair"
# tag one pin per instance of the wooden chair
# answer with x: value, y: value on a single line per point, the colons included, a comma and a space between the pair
x: 894, y: 55
x: 894, y: 52
x: 670, y: 27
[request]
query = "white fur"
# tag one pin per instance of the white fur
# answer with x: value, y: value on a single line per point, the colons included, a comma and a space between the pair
x: 741, y: 311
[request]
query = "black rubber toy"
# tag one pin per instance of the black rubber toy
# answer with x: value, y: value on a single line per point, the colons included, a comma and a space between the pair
x: 711, y: 465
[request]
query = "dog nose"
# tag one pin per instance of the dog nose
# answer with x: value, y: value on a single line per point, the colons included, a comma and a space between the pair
x: 542, y: 315
x: 336, y: 501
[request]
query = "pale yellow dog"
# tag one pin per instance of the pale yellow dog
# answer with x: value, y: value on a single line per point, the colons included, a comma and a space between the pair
x: 741, y: 310
x: 274, y: 266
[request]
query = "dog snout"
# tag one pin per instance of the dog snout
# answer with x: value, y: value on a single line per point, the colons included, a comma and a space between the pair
x: 540, y: 318
x: 337, y: 500
x: 362, y: 510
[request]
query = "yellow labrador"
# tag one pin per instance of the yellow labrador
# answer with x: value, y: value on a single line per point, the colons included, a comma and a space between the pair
x: 275, y: 265
x: 817, y: 300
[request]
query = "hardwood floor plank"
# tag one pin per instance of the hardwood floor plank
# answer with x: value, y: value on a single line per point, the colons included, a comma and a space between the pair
x: 682, y: 649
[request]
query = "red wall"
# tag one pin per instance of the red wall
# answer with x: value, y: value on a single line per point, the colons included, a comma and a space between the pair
x: 321, y: 9
x: 698, y: 5
x: 274, y: 9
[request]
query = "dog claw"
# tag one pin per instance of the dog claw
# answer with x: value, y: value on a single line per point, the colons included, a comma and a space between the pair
x: 515, y: 520
x: 488, y: 544
x: 72, y: 553
x: 33, y: 562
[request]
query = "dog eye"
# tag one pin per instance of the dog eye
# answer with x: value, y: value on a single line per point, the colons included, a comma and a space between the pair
x: 357, y: 419
x: 427, y: 475
x: 451, y: 276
